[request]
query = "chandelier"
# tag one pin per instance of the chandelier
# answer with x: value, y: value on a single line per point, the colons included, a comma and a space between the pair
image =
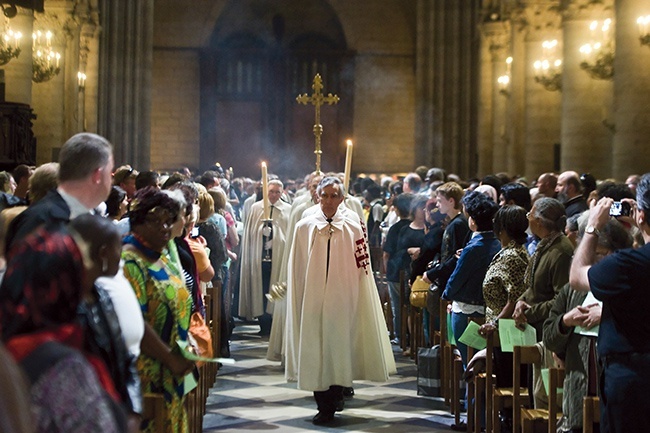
x: 45, y: 61
x: 598, y: 56
x: 9, y: 44
x: 644, y: 29
x: 503, y: 82
x: 548, y: 70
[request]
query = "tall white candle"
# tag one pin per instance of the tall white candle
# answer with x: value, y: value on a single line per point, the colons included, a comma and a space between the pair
x: 348, y: 165
x: 265, y: 191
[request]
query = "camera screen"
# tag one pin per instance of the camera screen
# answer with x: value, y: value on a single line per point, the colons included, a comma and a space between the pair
x: 619, y: 209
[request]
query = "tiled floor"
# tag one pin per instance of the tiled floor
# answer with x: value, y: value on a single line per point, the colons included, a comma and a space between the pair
x: 252, y: 396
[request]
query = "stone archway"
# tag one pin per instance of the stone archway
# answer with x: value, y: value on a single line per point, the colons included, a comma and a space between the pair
x: 261, y: 56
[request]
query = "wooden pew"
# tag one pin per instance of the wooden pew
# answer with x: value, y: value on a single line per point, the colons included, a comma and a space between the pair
x: 153, y: 408
x: 590, y: 413
x: 523, y: 355
x: 542, y: 420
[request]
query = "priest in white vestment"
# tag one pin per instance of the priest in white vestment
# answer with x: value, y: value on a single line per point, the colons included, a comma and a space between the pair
x: 336, y: 332
x: 257, y: 241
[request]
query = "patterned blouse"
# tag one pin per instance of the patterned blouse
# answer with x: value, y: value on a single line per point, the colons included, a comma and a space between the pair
x: 504, y: 279
x: 166, y: 305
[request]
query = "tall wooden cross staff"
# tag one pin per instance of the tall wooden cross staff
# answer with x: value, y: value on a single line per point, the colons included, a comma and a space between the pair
x: 317, y: 99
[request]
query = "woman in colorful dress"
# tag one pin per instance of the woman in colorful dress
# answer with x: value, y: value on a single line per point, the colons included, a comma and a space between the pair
x: 166, y: 303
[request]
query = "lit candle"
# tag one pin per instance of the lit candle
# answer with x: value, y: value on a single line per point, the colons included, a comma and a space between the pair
x: 265, y: 191
x: 58, y: 57
x: 48, y: 38
x: 348, y: 165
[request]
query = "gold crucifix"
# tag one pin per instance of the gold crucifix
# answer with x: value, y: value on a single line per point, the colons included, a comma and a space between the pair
x: 317, y: 99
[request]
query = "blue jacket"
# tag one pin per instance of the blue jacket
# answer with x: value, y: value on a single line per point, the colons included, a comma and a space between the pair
x: 466, y: 282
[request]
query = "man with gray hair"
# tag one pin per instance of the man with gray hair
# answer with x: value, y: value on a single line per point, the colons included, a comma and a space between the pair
x: 336, y: 331
x: 620, y: 281
x: 85, y: 180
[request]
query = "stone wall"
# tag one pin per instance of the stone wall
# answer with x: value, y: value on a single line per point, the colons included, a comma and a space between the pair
x: 381, y: 33
x: 175, y: 109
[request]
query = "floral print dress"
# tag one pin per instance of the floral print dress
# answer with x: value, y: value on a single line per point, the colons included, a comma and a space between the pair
x: 166, y: 305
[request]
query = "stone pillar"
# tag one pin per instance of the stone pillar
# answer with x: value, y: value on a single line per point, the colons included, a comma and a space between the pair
x: 586, y: 102
x: 515, y: 131
x: 537, y: 22
x: 126, y: 47
x: 18, y: 72
x: 425, y: 125
x: 631, y: 149
x: 499, y: 52
x: 491, y: 113
x: 89, y: 65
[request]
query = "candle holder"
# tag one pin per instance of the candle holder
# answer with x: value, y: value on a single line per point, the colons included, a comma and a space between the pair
x: 45, y: 61
x: 9, y: 44
x: 644, y: 30
x: 278, y: 291
x: 548, y: 70
x: 503, y: 82
x: 598, y: 56
x: 267, y: 237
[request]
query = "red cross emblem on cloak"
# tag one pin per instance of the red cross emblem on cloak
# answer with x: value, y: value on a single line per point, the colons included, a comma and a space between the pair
x: 361, y: 255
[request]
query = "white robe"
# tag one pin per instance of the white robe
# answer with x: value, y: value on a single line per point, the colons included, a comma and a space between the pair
x: 275, y: 350
x: 251, y: 296
x: 336, y: 332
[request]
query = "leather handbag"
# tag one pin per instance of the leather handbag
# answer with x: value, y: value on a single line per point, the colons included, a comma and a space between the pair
x: 419, y: 292
x: 201, y: 335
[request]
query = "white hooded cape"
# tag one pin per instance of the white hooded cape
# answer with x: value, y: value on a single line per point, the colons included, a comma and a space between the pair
x: 250, y: 282
x: 336, y: 332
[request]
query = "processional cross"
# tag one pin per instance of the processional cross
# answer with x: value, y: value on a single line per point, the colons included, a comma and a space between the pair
x: 317, y: 99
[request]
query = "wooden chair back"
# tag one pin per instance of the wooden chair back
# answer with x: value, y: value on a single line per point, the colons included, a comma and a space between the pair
x: 153, y: 409
x: 523, y: 355
x: 590, y: 413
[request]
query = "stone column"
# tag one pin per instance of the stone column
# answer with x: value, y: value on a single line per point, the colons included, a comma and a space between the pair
x: 425, y: 125
x: 491, y: 113
x: 499, y: 52
x: 631, y: 149
x: 126, y: 47
x: 538, y: 22
x: 89, y: 65
x: 18, y: 72
x: 586, y: 102
x: 515, y: 129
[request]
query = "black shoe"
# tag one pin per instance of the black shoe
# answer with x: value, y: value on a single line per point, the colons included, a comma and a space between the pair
x: 461, y: 426
x: 340, y: 405
x: 348, y: 391
x: 322, y: 418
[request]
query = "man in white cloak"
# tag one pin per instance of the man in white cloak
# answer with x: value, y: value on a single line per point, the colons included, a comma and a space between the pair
x: 275, y: 351
x: 336, y: 331
x: 260, y: 241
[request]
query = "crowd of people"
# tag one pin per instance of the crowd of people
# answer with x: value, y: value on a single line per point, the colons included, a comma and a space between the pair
x: 104, y: 270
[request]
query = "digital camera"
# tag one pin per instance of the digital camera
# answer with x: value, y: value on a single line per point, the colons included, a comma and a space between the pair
x: 619, y: 208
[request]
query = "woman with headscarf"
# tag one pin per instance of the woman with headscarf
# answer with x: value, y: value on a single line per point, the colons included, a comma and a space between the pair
x: 70, y: 389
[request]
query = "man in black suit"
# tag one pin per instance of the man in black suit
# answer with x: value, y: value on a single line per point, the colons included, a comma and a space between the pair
x: 85, y: 179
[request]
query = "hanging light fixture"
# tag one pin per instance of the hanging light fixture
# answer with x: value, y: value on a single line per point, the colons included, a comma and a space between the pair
x: 45, y: 61
x: 9, y: 43
x: 548, y: 69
